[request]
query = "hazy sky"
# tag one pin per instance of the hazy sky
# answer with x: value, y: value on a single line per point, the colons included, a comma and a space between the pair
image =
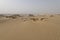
x: 29, y: 6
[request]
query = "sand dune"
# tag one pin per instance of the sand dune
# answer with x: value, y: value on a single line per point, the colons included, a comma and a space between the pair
x: 30, y: 28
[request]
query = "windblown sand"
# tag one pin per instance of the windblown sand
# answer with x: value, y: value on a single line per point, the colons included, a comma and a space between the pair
x: 45, y: 28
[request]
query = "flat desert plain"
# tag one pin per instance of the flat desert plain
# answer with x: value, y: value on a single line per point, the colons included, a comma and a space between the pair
x: 43, y: 27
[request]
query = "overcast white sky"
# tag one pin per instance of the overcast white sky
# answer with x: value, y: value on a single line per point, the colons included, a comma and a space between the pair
x: 29, y: 6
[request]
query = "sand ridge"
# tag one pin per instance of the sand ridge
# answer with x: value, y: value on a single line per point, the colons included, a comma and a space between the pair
x: 44, y: 27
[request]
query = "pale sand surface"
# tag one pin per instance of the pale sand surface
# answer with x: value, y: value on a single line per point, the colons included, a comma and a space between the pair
x: 18, y: 29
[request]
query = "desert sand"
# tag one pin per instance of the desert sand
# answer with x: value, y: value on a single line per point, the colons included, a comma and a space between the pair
x: 43, y: 27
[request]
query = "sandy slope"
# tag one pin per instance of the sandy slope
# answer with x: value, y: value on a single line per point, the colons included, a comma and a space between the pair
x: 31, y: 30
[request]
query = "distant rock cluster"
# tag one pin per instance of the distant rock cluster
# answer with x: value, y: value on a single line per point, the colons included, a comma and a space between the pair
x: 24, y: 17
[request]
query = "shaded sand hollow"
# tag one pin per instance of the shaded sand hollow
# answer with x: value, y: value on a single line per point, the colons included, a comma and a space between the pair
x: 45, y: 28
